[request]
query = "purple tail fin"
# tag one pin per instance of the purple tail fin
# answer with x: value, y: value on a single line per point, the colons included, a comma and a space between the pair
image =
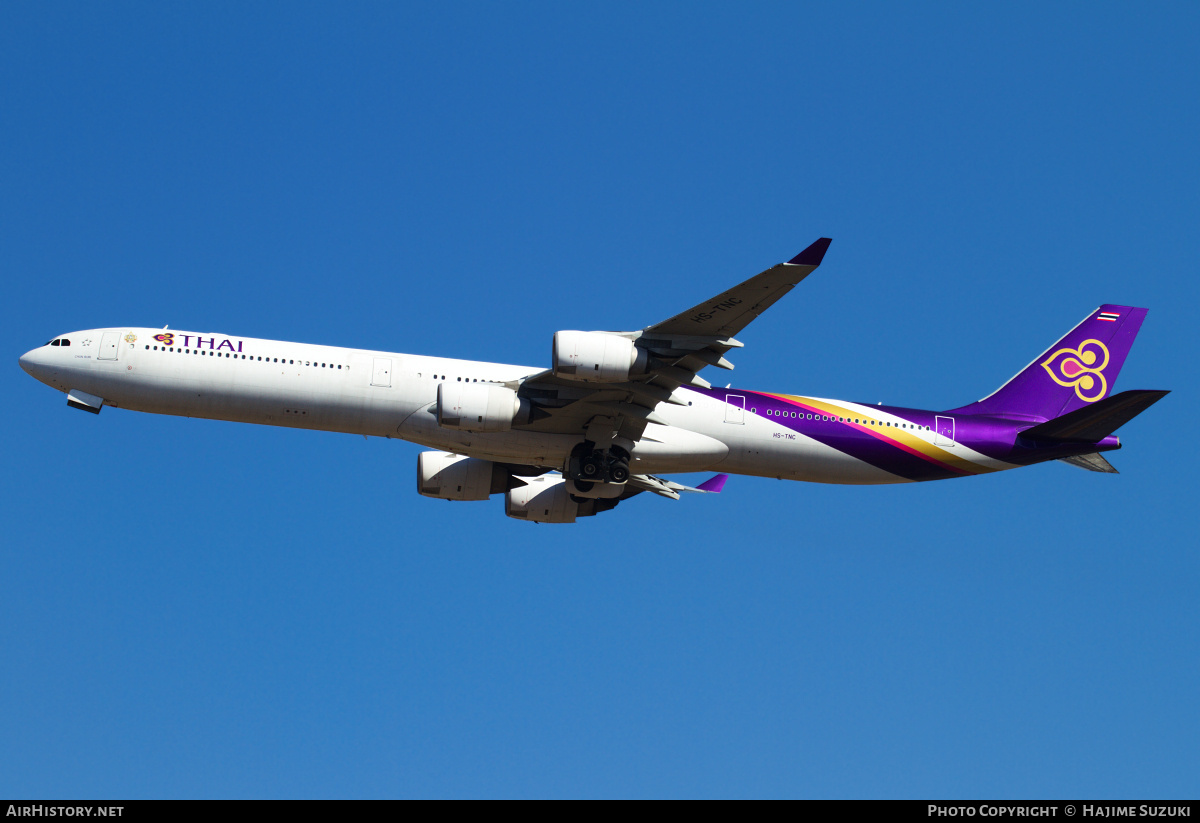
x: 1075, y: 372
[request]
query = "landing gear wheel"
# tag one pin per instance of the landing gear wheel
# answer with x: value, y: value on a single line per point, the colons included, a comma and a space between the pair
x: 618, y: 472
x: 591, y: 467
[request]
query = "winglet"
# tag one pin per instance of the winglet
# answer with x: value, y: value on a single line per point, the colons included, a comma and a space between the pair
x: 813, y: 255
x: 714, y: 484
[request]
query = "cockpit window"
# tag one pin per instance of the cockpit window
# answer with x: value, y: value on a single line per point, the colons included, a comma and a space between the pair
x: 66, y: 342
x: 55, y: 342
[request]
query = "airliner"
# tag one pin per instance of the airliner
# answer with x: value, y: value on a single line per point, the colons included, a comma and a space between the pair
x: 615, y: 411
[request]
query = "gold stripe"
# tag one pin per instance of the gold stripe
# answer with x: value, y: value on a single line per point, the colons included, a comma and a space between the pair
x: 898, y: 435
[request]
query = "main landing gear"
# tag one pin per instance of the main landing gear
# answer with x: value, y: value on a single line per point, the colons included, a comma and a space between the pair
x: 588, y: 465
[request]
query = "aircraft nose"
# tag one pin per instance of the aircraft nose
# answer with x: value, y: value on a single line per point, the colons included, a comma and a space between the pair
x: 31, y: 362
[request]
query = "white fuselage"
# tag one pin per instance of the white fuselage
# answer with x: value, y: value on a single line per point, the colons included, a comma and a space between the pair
x: 387, y: 394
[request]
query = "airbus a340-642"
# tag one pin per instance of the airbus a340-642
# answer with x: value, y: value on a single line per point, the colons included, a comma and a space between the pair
x: 615, y: 410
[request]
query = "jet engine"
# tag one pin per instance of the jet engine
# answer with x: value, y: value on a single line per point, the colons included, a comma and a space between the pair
x: 548, y: 500
x: 455, y: 477
x: 596, y: 357
x: 479, y: 407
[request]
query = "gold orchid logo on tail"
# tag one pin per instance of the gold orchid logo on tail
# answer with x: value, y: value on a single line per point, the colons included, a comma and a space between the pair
x: 1081, y: 369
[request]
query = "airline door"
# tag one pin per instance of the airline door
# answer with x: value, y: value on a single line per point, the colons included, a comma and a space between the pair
x: 381, y: 372
x: 109, y: 341
x: 735, y: 408
x: 943, y: 432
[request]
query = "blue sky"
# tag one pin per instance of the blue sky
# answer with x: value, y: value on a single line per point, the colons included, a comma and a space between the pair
x: 204, y: 609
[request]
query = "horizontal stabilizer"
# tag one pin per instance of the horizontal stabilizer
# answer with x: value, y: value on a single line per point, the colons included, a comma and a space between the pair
x: 1092, y: 462
x: 1093, y: 423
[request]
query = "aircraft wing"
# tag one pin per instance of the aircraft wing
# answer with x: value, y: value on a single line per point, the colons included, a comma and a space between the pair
x: 677, y: 349
x: 731, y: 311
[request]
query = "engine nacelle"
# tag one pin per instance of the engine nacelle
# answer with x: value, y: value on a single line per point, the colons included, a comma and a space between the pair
x: 479, y: 407
x: 543, y: 500
x: 455, y: 477
x: 595, y: 490
x: 596, y: 357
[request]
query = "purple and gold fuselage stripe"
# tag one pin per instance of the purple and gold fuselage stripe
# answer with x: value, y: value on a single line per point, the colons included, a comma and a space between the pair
x: 900, y: 447
x: 910, y: 444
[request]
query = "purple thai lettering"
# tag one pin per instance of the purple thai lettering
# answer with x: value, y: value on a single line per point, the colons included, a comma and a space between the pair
x: 201, y: 342
x: 239, y: 345
x: 187, y: 338
x: 225, y: 344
